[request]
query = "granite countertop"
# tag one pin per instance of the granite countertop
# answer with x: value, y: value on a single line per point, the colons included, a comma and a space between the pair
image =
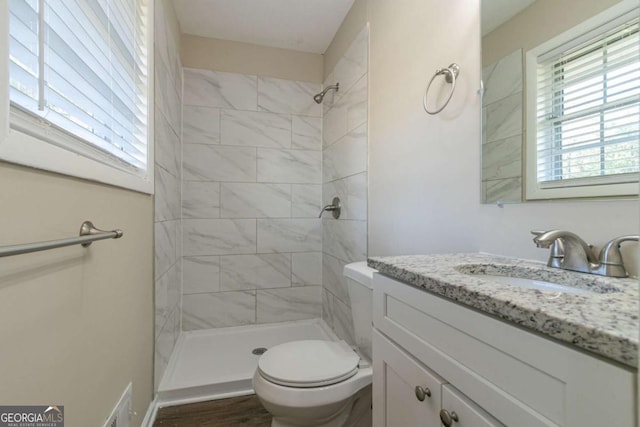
x: 605, y: 323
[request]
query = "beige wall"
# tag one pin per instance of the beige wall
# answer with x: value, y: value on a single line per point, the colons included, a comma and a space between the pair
x: 419, y: 201
x: 76, y: 325
x: 537, y: 24
x: 245, y: 58
x: 424, y: 185
x: 351, y: 26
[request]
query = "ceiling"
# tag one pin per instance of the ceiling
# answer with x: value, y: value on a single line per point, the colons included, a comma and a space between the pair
x: 497, y: 12
x: 303, y: 25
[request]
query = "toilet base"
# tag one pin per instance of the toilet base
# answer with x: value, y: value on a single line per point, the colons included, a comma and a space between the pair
x: 355, y: 413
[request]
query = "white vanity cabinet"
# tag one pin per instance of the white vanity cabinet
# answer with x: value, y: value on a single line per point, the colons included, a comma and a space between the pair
x: 489, y: 372
x: 409, y: 394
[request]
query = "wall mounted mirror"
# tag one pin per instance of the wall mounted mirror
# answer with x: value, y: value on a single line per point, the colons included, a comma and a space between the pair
x: 572, y: 132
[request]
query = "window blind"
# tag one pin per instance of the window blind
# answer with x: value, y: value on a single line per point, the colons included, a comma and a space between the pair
x: 81, y: 66
x: 588, y: 109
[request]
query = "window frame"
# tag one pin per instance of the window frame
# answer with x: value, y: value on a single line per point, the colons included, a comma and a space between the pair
x: 25, y: 140
x: 593, y: 187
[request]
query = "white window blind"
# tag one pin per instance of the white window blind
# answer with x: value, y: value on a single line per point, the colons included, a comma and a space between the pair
x: 588, y: 109
x: 81, y: 66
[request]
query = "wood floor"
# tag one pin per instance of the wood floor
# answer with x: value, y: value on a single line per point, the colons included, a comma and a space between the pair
x: 236, y: 412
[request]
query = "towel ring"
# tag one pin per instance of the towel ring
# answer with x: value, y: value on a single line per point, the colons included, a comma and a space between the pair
x: 451, y: 74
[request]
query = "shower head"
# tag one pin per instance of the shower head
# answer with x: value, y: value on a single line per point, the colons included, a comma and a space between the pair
x: 318, y: 97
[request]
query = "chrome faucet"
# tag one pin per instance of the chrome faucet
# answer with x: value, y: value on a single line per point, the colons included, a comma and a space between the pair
x: 570, y: 252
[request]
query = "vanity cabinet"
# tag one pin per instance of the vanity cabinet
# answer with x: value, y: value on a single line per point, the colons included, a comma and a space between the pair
x: 409, y: 394
x: 489, y: 372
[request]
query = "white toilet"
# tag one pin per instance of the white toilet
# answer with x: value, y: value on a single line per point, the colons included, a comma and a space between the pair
x: 323, y: 383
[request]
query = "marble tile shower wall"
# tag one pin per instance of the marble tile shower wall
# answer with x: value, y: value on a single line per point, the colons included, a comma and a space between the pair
x: 252, y: 189
x: 168, y: 152
x: 345, y: 175
x: 502, y: 130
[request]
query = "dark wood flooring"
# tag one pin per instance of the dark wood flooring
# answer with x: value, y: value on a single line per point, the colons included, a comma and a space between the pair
x: 235, y: 412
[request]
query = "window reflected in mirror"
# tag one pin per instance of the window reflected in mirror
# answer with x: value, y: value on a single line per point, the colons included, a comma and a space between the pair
x: 561, y: 100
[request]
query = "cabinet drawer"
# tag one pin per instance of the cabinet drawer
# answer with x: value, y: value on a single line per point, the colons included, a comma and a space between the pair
x: 519, y: 377
x: 467, y: 413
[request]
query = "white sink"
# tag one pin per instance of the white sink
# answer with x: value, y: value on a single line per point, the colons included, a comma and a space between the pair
x: 542, y: 279
x: 533, y: 284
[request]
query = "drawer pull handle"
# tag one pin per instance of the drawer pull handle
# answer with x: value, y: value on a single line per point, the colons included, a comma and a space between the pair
x: 422, y: 392
x: 448, y: 418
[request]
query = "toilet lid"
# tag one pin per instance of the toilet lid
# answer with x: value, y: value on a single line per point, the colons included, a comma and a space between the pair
x: 309, y: 363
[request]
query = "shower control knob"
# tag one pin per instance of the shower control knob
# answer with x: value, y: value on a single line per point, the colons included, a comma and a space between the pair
x: 335, y: 208
x: 448, y: 418
x: 422, y: 392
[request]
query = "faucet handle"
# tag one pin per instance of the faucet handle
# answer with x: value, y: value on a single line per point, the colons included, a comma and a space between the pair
x: 556, y: 253
x: 610, y: 253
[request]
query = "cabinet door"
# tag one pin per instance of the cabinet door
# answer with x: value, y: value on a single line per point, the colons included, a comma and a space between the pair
x: 396, y: 401
x: 463, y: 412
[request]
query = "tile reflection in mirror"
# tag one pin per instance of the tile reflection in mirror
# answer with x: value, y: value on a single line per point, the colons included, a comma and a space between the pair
x: 502, y: 130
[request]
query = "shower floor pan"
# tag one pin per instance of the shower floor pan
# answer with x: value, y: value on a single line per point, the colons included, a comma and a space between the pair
x: 219, y: 363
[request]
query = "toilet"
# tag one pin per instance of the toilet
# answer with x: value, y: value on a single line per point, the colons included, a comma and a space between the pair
x: 323, y: 383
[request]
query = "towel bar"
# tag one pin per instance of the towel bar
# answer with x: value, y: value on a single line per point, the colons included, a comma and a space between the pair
x: 88, y: 234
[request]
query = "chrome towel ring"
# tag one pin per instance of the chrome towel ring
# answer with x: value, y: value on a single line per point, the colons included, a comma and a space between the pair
x: 450, y: 75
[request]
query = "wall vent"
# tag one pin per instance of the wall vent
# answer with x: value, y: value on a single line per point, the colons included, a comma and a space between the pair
x: 121, y: 414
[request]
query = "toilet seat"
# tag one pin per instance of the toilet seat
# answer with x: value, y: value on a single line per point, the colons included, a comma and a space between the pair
x: 309, y: 363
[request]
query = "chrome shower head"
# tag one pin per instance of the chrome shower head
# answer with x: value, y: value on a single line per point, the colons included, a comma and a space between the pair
x: 320, y: 96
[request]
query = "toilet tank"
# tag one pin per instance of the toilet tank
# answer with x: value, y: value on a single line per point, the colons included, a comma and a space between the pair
x: 359, y: 278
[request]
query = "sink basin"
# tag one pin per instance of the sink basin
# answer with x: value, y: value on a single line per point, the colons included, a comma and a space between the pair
x: 533, y: 284
x: 541, y: 279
